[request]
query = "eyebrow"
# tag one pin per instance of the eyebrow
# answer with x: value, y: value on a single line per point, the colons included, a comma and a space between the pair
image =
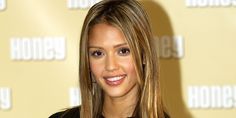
x: 119, y: 45
x: 116, y: 46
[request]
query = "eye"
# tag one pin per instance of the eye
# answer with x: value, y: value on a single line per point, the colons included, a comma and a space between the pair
x: 124, y: 51
x: 96, y: 53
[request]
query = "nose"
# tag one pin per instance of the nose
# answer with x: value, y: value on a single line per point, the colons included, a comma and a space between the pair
x: 111, y: 63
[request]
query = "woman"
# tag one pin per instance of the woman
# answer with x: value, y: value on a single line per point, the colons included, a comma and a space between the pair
x: 119, y: 70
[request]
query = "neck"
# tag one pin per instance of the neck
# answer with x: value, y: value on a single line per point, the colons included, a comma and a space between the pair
x: 117, y: 107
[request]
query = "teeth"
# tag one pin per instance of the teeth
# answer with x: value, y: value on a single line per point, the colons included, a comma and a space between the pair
x: 115, y: 78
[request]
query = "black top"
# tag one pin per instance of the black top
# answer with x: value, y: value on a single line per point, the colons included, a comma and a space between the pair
x: 69, y: 113
x: 75, y: 113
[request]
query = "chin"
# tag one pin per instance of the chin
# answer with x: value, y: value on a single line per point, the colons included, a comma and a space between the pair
x: 115, y: 93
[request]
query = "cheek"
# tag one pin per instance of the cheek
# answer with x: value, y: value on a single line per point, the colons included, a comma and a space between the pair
x: 128, y: 66
x: 96, y: 68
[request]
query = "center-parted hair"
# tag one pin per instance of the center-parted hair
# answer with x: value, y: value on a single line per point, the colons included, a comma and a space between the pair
x: 132, y: 20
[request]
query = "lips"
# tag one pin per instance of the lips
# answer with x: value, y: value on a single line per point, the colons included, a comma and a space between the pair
x: 114, y: 80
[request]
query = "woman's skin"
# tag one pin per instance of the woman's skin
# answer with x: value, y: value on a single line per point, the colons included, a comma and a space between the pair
x: 112, y: 67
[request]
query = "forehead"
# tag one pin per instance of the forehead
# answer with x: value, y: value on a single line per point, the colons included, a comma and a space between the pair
x: 105, y: 34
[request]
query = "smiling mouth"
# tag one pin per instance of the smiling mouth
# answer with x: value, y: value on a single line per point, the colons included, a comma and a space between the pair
x: 114, y: 80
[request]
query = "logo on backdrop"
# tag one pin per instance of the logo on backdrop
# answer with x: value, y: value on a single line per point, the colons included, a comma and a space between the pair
x: 38, y: 48
x: 74, y: 94
x: 3, y: 5
x: 5, y: 98
x: 171, y: 47
x: 214, y: 97
x: 81, y: 4
x: 210, y: 3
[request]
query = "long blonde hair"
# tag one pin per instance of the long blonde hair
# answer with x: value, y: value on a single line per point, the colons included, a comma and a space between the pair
x: 132, y: 20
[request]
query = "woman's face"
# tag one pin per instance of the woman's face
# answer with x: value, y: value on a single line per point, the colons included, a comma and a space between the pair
x: 111, y: 62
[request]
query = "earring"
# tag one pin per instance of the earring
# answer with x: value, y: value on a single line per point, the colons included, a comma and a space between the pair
x: 94, y: 83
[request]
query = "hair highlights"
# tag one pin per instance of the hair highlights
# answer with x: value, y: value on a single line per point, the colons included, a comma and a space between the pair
x: 131, y: 19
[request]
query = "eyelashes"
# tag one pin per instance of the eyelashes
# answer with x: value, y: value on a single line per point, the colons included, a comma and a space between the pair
x: 96, y: 53
x: 123, y: 51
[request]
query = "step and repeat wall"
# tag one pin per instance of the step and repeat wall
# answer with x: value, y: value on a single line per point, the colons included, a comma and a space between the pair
x: 39, y: 54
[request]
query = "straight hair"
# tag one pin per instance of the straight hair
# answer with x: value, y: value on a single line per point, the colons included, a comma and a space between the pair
x: 132, y: 20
